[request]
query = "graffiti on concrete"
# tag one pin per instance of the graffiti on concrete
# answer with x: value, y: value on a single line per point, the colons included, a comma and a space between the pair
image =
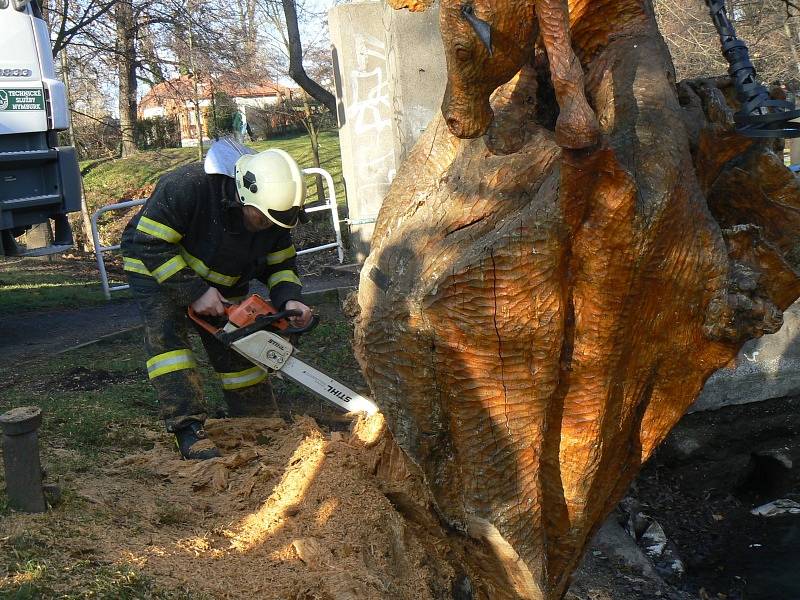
x: 369, y: 110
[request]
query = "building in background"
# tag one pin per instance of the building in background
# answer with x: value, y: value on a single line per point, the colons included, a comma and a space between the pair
x: 258, y: 104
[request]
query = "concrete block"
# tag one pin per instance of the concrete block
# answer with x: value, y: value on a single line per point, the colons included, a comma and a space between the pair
x: 765, y: 368
x: 417, y: 73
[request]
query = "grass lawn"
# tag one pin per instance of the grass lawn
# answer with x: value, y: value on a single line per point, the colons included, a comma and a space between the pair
x: 134, y: 177
x: 99, y: 407
x: 40, y: 284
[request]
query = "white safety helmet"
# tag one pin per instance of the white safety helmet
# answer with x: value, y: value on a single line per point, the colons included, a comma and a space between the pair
x: 272, y: 182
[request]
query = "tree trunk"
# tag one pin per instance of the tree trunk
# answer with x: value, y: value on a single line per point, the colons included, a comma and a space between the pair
x: 534, y: 320
x: 196, y: 101
x: 313, y: 136
x: 248, y: 29
x: 126, y: 72
x: 87, y: 241
x: 296, y: 70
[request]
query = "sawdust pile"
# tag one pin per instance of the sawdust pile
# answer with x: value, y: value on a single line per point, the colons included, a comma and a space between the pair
x: 288, y: 512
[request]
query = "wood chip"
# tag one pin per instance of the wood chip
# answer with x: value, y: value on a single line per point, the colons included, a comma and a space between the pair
x: 313, y: 553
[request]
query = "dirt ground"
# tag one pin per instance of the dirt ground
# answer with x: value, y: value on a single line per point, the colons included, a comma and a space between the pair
x: 703, y: 482
x: 294, y: 513
x: 286, y: 513
x: 700, y: 487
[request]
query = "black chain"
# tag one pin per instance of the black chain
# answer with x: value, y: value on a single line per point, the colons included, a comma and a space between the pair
x: 759, y: 116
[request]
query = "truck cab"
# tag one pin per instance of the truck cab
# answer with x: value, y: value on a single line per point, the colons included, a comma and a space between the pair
x: 39, y: 180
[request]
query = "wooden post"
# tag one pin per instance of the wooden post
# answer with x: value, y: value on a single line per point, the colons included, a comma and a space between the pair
x: 23, y: 470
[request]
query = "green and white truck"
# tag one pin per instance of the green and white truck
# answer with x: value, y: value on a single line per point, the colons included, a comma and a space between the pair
x: 39, y: 180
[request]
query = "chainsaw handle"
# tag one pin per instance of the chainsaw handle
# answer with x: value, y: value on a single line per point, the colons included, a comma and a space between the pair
x: 203, y: 323
x: 298, y: 330
x: 283, y: 314
x: 262, y: 319
x: 276, y: 321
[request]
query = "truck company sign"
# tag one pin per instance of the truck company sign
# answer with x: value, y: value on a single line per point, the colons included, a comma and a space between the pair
x: 21, y: 99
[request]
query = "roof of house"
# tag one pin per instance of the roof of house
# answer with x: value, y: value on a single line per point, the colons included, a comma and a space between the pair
x: 183, y: 88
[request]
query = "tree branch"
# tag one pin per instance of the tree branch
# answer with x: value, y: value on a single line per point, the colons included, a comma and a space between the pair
x: 65, y: 35
x: 296, y: 69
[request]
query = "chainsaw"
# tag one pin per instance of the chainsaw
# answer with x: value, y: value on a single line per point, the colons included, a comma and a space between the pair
x: 264, y: 336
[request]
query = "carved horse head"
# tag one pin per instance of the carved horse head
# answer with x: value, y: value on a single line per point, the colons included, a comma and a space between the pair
x: 485, y: 42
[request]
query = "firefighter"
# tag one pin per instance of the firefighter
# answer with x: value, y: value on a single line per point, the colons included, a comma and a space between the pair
x: 198, y: 241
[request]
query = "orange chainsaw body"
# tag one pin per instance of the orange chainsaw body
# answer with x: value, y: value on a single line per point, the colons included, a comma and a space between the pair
x: 243, y: 314
x: 256, y: 324
x: 250, y: 309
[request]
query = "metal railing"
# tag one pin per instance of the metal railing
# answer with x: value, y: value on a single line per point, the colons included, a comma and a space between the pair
x: 99, y: 248
x: 330, y: 204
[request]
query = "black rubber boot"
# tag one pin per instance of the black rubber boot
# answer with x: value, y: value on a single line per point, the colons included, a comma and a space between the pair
x: 194, y: 444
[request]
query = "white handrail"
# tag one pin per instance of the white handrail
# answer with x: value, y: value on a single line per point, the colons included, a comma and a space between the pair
x: 330, y: 204
x: 99, y: 248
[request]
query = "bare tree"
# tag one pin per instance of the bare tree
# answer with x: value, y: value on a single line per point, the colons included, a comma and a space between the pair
x: 768, y: 26
x: 247, y: 32
x: 126, y: 29
x: 69, y: 20
x: 296, y: 70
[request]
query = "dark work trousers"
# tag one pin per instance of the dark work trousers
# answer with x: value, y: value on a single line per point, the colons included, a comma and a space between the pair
x: 172, y: 367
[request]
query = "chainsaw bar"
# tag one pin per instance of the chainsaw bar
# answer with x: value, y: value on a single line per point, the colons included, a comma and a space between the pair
x: 328, y: 388
x: 271, y: 352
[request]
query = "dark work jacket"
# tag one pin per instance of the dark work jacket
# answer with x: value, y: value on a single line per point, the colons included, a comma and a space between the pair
x: 190, y: 236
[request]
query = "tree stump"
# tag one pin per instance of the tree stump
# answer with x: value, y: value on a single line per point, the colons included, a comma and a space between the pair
x: 534, y: 320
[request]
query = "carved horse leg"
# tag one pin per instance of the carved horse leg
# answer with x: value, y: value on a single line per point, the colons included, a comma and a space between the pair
x: 577, y: 125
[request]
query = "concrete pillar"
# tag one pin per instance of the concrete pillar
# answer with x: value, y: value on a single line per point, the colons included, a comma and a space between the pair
x: 364, y: 108
x: 417, y: 73
x: 794, y: 150
x: 390, y: 76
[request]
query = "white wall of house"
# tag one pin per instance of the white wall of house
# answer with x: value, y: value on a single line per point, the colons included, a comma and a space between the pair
x: 153, y: 112
x: 242, y: 104
x: 203, y: 103
x: 192, y: 142
x: 255, y: 102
